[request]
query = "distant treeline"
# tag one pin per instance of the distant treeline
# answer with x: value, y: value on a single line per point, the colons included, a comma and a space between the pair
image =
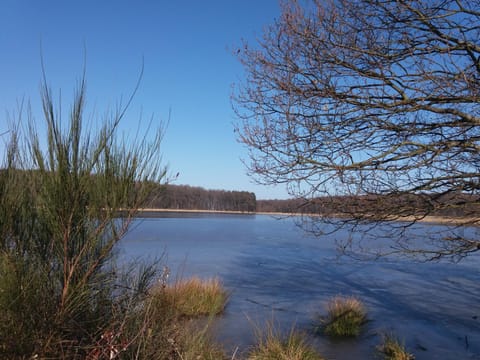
x: 196, y: 198
x: 376, y: 206
x: 280, y: 206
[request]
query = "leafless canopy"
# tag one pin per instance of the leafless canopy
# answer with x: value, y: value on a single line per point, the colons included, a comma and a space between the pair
x: 371, y: 106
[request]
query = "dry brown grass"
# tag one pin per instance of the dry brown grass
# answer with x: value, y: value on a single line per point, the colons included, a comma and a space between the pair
x: 196, y: 297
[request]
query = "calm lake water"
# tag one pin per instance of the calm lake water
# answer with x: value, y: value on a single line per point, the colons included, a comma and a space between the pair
x: 276, y: 271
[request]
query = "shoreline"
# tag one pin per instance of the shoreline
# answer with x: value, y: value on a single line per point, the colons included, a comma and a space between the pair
x: 431, y: 219
x: 155, y: 210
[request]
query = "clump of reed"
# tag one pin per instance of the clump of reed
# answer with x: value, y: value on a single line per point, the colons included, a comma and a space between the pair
x: 345, y: 317
x: 273, y: 345
x: 194, y: 297
x: 393, y: 349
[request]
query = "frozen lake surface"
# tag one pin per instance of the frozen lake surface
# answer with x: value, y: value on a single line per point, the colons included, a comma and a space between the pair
x: 276, y: 271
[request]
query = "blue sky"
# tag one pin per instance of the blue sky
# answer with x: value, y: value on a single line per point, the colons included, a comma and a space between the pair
x: 187, y: 49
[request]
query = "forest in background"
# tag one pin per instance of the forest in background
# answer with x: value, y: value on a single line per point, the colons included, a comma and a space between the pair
x: 420, y: 205
x: 185, y: 197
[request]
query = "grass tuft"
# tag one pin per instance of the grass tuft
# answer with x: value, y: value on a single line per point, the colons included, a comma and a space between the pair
x: 195, y: 297
x: 393, y: 349
x: 273, y: 346
x: 345, y: 317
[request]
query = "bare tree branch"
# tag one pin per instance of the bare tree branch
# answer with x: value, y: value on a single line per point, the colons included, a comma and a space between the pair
x: 376, y: 100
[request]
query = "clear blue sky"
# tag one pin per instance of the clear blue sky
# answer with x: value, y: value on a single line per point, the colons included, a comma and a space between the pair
x: 187, y: 47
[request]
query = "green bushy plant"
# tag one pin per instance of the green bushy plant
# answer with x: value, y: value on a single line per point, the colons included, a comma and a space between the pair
x: 64, y: 204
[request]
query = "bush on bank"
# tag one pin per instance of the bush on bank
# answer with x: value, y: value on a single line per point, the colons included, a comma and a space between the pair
x: 60, y: 293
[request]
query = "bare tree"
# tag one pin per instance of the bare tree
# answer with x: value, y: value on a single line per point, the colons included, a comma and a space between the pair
x: 370, y: 110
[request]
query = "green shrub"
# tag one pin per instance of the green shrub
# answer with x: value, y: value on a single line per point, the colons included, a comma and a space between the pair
x: 64, y: 205
x: 345, y: 317
x: 25, y: 310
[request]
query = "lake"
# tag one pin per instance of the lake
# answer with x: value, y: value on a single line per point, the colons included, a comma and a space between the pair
x: 275, y: 270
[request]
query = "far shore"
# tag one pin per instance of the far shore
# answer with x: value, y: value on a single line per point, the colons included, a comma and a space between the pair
x: 427, y: 219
